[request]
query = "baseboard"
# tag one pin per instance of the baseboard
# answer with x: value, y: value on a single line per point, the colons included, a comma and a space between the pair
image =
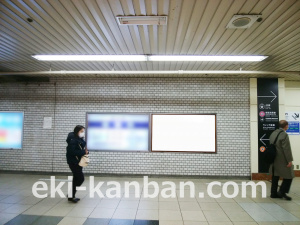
x: 267, y: 176
x: 128, y: 175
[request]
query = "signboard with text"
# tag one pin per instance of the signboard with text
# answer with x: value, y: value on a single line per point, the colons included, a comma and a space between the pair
x: 293, y: 120
x: 268, y: 110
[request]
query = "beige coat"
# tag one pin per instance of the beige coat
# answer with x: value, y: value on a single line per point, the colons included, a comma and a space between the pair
x: 283, y: 156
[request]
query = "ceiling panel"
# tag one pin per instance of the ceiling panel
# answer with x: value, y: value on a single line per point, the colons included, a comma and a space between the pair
x: 194, y: 27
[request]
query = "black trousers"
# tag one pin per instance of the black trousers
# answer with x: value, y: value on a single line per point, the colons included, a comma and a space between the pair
x: 78, y: 177
x: 284, y: 188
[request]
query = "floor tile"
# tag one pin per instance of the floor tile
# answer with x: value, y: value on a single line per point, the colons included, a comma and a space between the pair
x: 80, y: 212
x: 169, y: 215
x: 2, y: 197
x: 209, y: 206
x: 195, y: 223
x: 185, y: 206
x: 51, y: 201
x: 37, y: 210
x: 16, y: 208
x: 148, y: 205
x: 121, y: 222
x: 86, y: 202
x: 4, y: 206
x: 23, y: 220
x: 291, y: 223
x: 185, y: 211
x: 284, y: 216
x: 96, y: 221
x: 278, y: 212
x: 228, y: 207
x: 220, y: 223
x: 108, y: 203
x: 168, y: 206
x: 72, y: 221
x: 12, y: 199
x: 59, y: 211
x: 244, y: 223
x: 147, y: 214
x: 193, y: 215
x: 295, y: 213
x: 125, y: 204
x: 124, y: 214
x: 5, y: 217
x: 239, y: 216
x: 289, y: 206
x: 224, y: 199
x: 170, y: 222
x: 30, y: 200
x: 215, y: 216
x: 47, y: 220
x: 146, y: 222
x: 102, y: 213
x: 269, y: 223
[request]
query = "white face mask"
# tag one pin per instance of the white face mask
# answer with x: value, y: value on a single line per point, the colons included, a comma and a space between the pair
x: 81, y: 134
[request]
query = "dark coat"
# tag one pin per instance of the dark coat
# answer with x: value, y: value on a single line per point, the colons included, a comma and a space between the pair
x: 75, y: 148
x: 283, y: 155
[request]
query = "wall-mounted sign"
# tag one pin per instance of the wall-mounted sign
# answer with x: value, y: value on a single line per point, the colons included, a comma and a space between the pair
x: 294, y: 119
x: 11, y: 130
x: 47, y: 123
x: 268, y: 109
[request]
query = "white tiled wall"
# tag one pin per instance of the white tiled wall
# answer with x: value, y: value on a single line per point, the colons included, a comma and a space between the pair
x: 69, y: 100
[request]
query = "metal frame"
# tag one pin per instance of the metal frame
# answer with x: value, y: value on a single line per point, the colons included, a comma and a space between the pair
x: 214, y: 114
x: 22, y: 130
x: 128, y: 113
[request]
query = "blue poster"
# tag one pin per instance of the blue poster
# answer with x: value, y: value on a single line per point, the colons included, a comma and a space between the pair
x: 293, y: 127
x: 293, y: 120
x: 11, y: 130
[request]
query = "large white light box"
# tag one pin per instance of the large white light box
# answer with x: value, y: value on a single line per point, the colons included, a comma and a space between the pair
x: 184, y: 133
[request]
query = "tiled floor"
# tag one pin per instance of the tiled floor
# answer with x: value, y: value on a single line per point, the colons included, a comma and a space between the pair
x: 19, y: 206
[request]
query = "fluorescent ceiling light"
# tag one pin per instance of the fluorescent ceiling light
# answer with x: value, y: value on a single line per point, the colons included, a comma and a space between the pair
x: 150, y: 72
x: 90, y: 57
x: 206, y: 58
x: 142, y: 20
x: 117, y: 58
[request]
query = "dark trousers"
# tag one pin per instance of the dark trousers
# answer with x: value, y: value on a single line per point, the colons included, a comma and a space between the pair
x: 78, y: 177
x: 284, y: 188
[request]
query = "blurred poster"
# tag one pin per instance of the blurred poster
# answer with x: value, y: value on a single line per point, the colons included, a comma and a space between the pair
x: 11, y: 130
x: 293, y: 120
x: 118, y: 132
x: 47, y: 123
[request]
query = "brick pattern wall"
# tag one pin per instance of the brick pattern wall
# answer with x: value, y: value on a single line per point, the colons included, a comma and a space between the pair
x: 69, y: 100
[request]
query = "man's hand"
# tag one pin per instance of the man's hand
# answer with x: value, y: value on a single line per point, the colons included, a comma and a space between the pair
x: 289, y: 164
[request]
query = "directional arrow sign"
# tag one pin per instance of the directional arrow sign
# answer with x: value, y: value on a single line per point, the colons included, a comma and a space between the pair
x: 262, y: 139
x: 272, y: 96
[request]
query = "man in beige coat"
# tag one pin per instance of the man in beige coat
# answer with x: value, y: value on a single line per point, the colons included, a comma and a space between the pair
x: 282, y: 166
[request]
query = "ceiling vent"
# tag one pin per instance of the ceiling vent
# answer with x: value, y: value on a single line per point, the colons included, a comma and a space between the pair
x: 142, y: 20
x: 242, y: 21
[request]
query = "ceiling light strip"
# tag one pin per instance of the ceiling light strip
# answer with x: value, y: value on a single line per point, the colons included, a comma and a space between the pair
x: 158, y: 58
x: 175, y: 72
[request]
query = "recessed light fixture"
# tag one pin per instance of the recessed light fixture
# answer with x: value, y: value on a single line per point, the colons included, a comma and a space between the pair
x: 116, y: 58
x: 242, y: 21
x: 203, y: 58
x: 90, y: 57
x: 29, y: 20
x: 142, y: 20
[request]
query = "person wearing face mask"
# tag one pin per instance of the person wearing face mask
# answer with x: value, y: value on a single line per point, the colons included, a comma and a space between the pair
x: 75, y: 150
